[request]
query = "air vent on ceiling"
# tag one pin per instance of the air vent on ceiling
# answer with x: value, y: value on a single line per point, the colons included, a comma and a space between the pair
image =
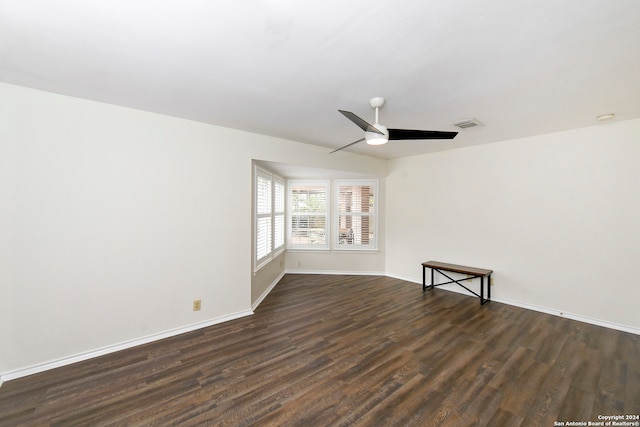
x: 467, y: 124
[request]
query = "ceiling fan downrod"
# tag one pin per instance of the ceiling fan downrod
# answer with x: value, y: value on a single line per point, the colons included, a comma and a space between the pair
x: 377, y: 138
x: 377, y: 103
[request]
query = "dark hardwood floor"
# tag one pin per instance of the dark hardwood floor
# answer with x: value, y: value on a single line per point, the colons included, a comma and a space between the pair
x: 349, y: 351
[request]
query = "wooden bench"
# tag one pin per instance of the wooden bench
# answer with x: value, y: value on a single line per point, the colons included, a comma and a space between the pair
x: 472, y: 272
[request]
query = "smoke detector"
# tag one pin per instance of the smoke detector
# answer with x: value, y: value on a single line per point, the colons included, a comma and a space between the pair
x: 468, y: 124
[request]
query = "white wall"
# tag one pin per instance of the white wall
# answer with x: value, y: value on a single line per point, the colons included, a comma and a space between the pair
x: 556, y: 216
x: 114, y: 220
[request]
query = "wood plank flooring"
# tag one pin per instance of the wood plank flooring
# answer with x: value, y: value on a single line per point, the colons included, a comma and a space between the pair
x: 349, y: 351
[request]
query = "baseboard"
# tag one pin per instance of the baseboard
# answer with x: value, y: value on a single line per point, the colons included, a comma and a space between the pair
x: 338, y: 272
x: 41, y: 367
x: 555, y: 312
x: 267, y: 291
x: 572, y: 316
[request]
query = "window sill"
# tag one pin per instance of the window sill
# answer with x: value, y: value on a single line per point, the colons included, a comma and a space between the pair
x: 336, y: 250
x: 309, y: 250
x: 357, y: 250
x: 266, y: 263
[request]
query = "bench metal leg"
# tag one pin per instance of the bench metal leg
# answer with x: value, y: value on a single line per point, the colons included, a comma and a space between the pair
x: 483, y: 300
x: 424, y: 279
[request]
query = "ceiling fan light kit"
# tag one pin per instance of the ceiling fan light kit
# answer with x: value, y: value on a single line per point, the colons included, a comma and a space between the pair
x: 378, y: 134
x: 374, y: 138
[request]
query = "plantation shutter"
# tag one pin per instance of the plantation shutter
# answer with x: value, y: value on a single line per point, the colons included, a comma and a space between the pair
x: 356, y: 202
x: 309, y: 215
x: 278, y: 214
x: 263, y: 216
x: 269, y: 216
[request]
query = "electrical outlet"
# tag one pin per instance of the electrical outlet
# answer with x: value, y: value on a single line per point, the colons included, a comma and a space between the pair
x: 197, y: 305
x: 469, y: 278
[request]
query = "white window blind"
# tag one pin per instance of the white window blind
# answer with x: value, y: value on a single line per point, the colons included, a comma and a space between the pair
x: 357, y: 220
x: 269, y: 216
x: 308, y: 215
x: 278, y: 213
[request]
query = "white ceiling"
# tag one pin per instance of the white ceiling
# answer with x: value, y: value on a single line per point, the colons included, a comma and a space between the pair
x: 284, y: 67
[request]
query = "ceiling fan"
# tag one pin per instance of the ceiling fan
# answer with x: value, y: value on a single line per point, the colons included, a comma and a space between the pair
x: 378, y: 134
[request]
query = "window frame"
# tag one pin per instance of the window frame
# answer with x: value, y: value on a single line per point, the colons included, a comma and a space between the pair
x: 338, y: 234
x: 269, y: 213
x: 296, y: 183
x: 278, y: 181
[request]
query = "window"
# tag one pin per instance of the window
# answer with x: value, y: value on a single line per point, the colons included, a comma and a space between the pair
x: 357, y: 221
x: 269, y: 216
x: 278, y: 214
x: 308, y: 215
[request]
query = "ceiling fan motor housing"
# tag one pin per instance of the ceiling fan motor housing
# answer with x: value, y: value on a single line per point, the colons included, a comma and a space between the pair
x: 374, y: 138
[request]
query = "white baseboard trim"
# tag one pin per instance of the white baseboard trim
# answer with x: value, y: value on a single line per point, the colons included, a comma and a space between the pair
x: 267, y: 291
x: 338, y: 272
x: 41, y: 367
x: 572, y: 316
x: 555, y: 312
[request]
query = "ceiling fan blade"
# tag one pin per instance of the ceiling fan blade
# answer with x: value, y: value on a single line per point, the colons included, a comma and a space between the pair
x: 362, y: 124
x: 348, y: 145
x: 420, y: 134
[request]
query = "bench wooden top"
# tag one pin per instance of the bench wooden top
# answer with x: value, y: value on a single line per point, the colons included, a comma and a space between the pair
x: 457, y: 268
